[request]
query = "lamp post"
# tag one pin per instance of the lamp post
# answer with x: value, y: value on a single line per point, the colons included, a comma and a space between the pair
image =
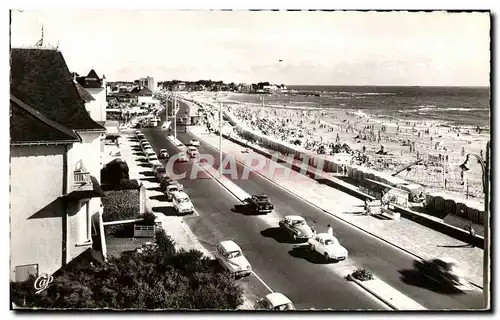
x: 485, y: 167
x: 220, y: 139
x: 174, y: 110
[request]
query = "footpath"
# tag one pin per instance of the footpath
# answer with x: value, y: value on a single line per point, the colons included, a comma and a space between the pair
x: 174, y: 226
x: 405, y: 234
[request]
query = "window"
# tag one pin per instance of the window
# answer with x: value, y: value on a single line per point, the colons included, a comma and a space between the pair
x: 84, y: 224
x: 22, y: 273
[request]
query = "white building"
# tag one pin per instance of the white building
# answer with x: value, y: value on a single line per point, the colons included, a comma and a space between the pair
x: 97, y: 88
x: 148, y: 82
x: 55, y: 149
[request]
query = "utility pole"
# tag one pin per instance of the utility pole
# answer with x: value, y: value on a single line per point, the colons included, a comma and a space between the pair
x: 220, y: 139
x: 175, y: 116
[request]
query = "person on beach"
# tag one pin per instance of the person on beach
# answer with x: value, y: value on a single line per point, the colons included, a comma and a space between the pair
x: 472, y: 233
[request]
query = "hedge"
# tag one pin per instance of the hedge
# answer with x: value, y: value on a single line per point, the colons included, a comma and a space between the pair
x: 121, y: 205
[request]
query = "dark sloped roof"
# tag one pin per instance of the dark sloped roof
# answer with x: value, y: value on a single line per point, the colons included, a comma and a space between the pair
x: 84, y: 94
x: 92, y: 80
x: 145, y: 92
x: 41, y: 79
x: 28, y: 125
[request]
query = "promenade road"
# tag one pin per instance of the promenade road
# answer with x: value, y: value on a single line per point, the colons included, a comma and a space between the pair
x: 304, y: 278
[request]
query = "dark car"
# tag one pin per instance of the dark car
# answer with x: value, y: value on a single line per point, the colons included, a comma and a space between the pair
x: 260, y: 203
x: 443, y: 272
x: 160, y: 173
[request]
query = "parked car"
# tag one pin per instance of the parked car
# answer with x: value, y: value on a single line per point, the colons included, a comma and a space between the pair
x: 260, y: 203
x: 275, y: 302
x: 297, y: 227
x: 182, y: 203
x: 444, y: 272
x: 160, y: 172
x: 163, y: 154
x: 192, y: 152
x: 169, y: 191
x: 231, y: 258
x: 328, y: 246
x: 182, y: 157
x: 194, y: 142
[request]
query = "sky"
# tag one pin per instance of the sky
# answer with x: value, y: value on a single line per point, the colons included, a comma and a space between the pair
x: 316, y: 48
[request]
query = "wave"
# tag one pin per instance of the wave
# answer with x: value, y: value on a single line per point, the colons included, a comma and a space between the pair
x: 434, y: 108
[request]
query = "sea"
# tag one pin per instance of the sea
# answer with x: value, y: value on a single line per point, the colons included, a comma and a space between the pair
x: 450, y: 106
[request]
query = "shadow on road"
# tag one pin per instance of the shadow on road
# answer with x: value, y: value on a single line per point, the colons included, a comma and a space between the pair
x: 147, y: 173
x: 154, y: 189
x: 137, y: 149
x: 138, y: 153
x: 244, y: 209
x: 160, y: 197
x: 141, y: 160
x: 456, y: 246
x: 277, y: 234
x: 416, y: 278
x: 168, y: 211
x: 303, y: 252
x: 144, y: 165
x: 148, y: 179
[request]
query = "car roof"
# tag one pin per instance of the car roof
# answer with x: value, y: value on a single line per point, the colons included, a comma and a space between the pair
x: 192, y: 148
x: 180, y: 194
x: 260, y: 195
x: 277, y: 299
x: 325, y: 236
x: 230, y: 245
x: 295, y: 218
x: 162, y: 150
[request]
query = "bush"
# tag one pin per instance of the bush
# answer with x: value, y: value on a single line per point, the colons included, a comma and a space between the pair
x: 148, y: 219
x: 120, y: 205
x: 160, y: 278
x: 114, y: 172
x: 362, y: 275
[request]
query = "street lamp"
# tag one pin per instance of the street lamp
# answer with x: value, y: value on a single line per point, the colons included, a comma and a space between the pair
x: 485, y: 167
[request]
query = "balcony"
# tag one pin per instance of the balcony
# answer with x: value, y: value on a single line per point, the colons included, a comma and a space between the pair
x: 81, y: 178
x: 84, y: 186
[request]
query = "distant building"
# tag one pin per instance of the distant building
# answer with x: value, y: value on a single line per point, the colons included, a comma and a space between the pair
x: 270, y: 89
x: 148, y: 82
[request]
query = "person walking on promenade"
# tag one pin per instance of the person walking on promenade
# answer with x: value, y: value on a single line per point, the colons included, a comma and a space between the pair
x: 472, y: 234
x: 330, y: 230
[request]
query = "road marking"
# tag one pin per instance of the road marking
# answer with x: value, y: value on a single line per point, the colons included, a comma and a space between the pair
x: 260, y: 279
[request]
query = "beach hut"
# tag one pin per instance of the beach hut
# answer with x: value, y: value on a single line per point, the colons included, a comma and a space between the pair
x: 439, y: 205
x: 429, y: 200
x: 450, y: 205
x: 351, y: 171
x: 461, y: 208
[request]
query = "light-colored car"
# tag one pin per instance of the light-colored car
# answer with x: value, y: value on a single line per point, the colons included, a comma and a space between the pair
x: 444, y: 272
x: 328, y: 246
x: 192, y: 151
x: 194, y: 142
x: 297, y: 227
x: 182, y: 157
x: 231, y: 258
x: 169, y: 191
x: 275, y: 302
x: 163, y: 154
x: 182, y: 203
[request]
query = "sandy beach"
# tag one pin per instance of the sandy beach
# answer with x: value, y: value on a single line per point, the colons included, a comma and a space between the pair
x: 403, y: 141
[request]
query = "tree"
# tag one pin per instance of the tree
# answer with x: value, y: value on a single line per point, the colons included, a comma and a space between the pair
x: 163, y: 278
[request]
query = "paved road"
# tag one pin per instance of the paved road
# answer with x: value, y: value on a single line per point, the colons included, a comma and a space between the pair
x: 304, y: 278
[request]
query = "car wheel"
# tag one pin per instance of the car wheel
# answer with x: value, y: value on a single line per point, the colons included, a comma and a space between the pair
x: 327, y: 257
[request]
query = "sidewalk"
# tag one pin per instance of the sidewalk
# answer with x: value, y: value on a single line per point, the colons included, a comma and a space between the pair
x: 411, y: 236
x: 173, y: 226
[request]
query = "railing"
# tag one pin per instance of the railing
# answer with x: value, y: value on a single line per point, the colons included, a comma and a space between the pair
x: 81, y: 178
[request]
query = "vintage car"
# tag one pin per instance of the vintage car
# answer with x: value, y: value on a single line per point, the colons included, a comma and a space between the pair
x: 194, y: 142
x: 296, y: 227
x: 192, y: 152
x: 231, y: 258
x: 163, y: 154
x: 160, y: 173
x: 275, y: 302
x: 328, y: 246
x: 182, y: 157
x: 444, y: 272
x: 259, y: 203
x: 167, y: 181
x: 181, y: 202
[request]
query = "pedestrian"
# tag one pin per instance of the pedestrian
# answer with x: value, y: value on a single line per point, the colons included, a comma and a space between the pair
x: 472, y: 234
x: 330, y: 230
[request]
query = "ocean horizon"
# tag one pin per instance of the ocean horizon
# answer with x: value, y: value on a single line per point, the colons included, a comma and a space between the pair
x: 451, y: 106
